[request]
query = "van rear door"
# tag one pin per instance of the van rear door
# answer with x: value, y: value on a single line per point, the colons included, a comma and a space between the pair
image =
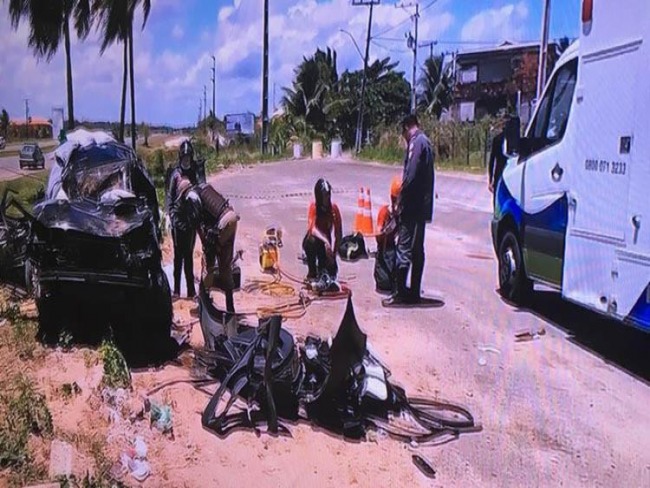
x: 605, y: 109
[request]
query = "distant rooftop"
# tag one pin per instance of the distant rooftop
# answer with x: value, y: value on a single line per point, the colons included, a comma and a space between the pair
x: 505, y: 47
x: 35, y: 121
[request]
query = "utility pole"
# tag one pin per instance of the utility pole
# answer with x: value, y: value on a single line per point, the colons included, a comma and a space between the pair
x: 412, y: 43
x: 205, y: 103
x: 275, y: 107
x: 26, y: 117
x: 200, y: 113
x: 359, y: 134
x: 543, y: 48
x: 265, y: 81
x: 214, y: 80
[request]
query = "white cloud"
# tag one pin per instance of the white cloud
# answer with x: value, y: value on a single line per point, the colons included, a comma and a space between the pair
x: 505, y: 23
x: 178, y: 32
x: 169, y: 81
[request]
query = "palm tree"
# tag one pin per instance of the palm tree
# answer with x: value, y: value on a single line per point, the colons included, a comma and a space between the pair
x: 116, y: 21
x: 316, y: 77
x: 49, y: 24
x: 435, y: 87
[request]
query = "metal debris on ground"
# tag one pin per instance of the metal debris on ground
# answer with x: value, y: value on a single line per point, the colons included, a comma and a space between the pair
x: 339, y: 386
x: 529, y: 335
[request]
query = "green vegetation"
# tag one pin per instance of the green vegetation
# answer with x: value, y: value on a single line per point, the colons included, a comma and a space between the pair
x: 25, y: 189
x: 116, y: 371
x: 23, y: 411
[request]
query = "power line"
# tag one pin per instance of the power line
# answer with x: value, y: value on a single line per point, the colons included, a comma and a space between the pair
x: 408, y: 19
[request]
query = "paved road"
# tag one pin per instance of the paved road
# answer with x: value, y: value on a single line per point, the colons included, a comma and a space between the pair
x: 10, y: 170
x: 571, y: 408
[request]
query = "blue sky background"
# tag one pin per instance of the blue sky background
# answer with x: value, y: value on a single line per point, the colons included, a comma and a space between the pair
x: 173, y: 53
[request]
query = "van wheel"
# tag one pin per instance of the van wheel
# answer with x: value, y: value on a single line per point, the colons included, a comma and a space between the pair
x: 514, y: 285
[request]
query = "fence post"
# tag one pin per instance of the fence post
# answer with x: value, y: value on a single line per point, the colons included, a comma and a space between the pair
x: 485, y: 150
x: 469, y: 133
x: 453, y: 143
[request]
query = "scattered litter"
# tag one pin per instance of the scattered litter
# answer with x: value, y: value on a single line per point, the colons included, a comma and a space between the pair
x: 60, y: 459
x: 140, y: 447
x: 424, y: 466
x: 489, y: 349
x: 482, y: 361
x: 160, y: 416
x: 529, y: 335
x: 3, y: 322
x: 414, y: 444
x: 382, y: 435
x: 134, y: 461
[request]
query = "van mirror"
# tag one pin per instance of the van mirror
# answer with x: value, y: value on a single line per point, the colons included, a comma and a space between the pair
x: 512, y: 132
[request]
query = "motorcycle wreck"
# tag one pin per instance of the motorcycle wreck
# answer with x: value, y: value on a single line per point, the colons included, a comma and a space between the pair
x: 268, y: 381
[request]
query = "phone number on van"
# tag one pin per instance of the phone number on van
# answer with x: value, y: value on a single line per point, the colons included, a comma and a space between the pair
x: 615, y: 167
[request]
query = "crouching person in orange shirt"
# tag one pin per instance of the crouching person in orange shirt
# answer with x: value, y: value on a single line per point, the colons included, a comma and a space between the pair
x: 324, y: 232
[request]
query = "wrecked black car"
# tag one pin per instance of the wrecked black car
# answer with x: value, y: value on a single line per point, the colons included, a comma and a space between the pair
x: 94, y: 243
x: 14, y: 235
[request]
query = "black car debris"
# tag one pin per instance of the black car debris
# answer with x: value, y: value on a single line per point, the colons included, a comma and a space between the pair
x: 93, y: 241
x: 341, y: 386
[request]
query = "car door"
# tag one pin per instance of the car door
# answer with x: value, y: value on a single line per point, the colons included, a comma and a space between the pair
x: 547, y: 173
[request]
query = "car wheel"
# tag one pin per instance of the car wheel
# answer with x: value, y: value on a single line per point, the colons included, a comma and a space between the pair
x: 514, y: 285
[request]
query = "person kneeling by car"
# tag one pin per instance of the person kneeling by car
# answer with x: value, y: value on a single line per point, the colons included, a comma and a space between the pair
x: 217, y: 230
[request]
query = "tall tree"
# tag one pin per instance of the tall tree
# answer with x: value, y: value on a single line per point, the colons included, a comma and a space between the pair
x: 4, y: 123
x: 49, y: 24
x: 116, y: 19
x: 435, y: 92
x: 316, y: 79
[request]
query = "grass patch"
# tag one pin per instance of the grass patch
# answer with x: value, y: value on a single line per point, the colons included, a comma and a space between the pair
x: 89, y: 481
x: 116, y: 371
x: 22, y: 340
x: 25, y: 188
x: 394, y: 157
x: 23, y: 412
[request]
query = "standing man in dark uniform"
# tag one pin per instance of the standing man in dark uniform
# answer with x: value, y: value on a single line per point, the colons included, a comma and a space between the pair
x: 179, y: 181
x: 415, y: 209
x: 497, y: 157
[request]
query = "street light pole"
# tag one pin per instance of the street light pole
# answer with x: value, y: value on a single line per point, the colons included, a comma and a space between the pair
x: 265, y: 81
x: 355, y: 43
x: 214, y: 80
x: 359, y: 135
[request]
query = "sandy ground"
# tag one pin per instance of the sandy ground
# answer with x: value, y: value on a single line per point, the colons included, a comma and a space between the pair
x: 569, y: 409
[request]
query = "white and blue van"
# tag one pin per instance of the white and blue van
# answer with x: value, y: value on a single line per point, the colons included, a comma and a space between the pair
x: 572, y: 210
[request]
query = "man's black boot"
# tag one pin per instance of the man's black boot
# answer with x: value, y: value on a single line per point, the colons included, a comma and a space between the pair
x: 400, y: 297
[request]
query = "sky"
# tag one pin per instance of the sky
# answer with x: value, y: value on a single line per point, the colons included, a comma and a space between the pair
x: 174, y: 51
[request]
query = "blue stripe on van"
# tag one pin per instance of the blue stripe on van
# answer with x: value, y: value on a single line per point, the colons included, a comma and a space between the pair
x: 553, y: 218
x: 640, y: 314
x: 505, y: 204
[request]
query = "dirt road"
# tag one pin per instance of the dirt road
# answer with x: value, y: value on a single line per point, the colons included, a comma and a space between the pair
x: 569, y: 409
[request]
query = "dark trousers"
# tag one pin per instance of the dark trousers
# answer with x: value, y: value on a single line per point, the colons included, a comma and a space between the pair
x: 219, y: 248
x: 317, y: 259
x: 410, y: 253
x: 385, y: 268
x: 183, y: 247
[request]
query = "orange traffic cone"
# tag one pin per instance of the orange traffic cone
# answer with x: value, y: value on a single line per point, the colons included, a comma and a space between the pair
x: 368, y: 225
x: 358, y: 218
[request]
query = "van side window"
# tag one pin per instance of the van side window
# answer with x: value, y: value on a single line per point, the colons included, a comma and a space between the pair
x: 551, y: 118
x: 562, y: 97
